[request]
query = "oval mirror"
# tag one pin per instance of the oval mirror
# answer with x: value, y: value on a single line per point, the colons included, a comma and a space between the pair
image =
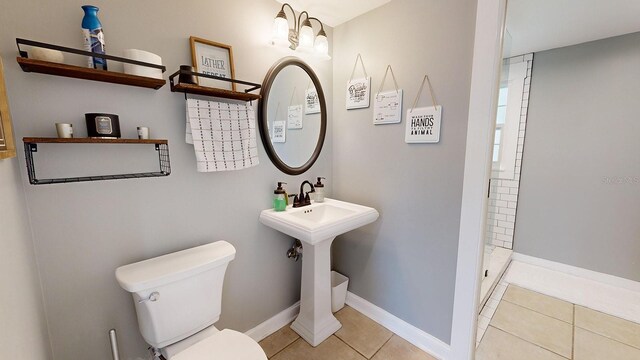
x: 293, y: 116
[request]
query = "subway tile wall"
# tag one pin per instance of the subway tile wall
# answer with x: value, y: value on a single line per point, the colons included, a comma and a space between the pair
x: 503, y: 193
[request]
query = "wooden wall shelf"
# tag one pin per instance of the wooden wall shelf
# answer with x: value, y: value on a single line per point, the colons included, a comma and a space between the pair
x: 79, y: 72
x: 207, y: 91
x: 31, y: 146
x: 186, y: 88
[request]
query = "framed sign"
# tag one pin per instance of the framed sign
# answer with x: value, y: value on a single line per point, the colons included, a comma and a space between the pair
x: 358, y: 93
x: 279, y: 132
x: 423, y: 125
x: 7, y: 144
x: 311, y: 102
x: 387, y: 107
x: 215, y: 59
x: 294, y: 117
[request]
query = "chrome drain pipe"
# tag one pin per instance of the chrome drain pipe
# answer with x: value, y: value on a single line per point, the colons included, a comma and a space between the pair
x: 295, y: 251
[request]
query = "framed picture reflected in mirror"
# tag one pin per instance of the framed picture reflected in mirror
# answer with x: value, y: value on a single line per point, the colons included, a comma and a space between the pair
x: 7, y: 143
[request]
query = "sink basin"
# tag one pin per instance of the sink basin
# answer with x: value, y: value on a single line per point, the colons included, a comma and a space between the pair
x: 319, y: 221
x: 316, y: 225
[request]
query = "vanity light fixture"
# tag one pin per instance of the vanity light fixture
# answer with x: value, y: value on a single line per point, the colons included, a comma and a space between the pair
x: 301, y: 37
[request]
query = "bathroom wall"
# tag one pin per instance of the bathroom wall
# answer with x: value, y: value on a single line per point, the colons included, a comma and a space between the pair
x: 580, y: 184
x: 405, y: 262
x: 84, y: 231
x: 23, y: 330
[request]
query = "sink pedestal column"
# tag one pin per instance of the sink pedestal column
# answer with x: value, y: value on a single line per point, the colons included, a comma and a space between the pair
x: 316, y: 322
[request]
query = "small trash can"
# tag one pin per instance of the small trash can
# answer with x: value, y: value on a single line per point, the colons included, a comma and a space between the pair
x: 339, y: 284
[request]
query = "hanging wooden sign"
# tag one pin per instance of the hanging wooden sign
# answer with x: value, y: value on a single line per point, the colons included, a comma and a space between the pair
x: 358, y: 93
x: 358, y: 90
x: 387, y: 107
x: 423, y: 125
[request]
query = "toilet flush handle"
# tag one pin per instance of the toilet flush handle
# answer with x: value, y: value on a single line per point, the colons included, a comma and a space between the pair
x: 154, y: 296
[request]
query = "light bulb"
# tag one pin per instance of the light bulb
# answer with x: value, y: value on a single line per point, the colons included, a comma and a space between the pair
x: 306, y: 38
x: 322, y: 45
x: 280, y: 31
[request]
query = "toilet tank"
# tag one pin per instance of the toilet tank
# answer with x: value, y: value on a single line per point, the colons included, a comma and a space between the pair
x: 178, y: 294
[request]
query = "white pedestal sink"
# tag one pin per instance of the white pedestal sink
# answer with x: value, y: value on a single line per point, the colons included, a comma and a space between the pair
x: 316, y: 225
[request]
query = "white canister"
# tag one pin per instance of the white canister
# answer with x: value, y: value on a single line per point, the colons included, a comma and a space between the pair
x: 143, y: 56
x: 44, y: 54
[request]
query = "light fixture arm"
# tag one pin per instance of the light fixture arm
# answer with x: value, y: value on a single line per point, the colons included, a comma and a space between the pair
x: 300, y: 20
x: 295, y: 22
x: 321, y: 25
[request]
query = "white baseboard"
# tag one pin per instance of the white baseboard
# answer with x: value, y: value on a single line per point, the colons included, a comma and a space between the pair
x: 412, y: 334
x: 579, y: 272
x: 602, y: 292
x: 274, y: 324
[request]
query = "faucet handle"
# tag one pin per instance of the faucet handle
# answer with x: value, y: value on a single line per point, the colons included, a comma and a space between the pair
x: 296, y: 202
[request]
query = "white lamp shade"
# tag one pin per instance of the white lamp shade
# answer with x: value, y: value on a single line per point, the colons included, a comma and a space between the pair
x: 322, y: 45
x: 306, y: 39
x: 280, y: 32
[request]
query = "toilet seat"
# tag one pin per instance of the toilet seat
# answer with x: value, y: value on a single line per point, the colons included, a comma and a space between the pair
x: 223, y: 345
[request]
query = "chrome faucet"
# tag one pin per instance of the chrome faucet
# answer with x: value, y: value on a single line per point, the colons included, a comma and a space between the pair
x: 303, y: 199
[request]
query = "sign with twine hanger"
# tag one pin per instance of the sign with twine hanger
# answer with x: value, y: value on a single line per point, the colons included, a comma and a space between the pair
x: 423, y: 124
x: 387, y: 106
x: 311, y: 100
x: 294, y: 113
x: 279, y: 128
x: 358, y: 90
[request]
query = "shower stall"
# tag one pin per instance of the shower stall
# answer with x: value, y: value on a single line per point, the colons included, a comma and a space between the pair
x: 504, y: 182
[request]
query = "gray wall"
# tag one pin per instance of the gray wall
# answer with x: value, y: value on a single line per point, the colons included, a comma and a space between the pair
x: 580, y: 185
x: 84, y: 231
x: 405, y: 262
x: 23, y: 327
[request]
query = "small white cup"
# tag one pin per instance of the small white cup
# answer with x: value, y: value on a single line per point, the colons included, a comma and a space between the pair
x: 143, y: 132
x: 64, y: 130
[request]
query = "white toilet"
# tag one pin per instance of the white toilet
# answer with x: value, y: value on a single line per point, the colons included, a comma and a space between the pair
x: 178, y: 298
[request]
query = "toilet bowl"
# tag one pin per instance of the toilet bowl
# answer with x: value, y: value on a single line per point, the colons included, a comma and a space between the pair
x: 178, y: 298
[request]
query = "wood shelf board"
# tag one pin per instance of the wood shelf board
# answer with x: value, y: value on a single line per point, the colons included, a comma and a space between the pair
x: 208, y: 91
x: 78, y: 72
x: 48, y: 140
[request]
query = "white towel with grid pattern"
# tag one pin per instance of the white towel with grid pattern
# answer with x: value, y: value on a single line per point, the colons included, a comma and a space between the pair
x: 223, y: 135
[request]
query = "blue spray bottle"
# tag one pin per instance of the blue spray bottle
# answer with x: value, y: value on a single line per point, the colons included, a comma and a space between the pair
x: 93, y: 37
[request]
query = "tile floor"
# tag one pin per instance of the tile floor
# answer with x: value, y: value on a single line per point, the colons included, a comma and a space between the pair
x: 359, y: 338
x: 521, y: 324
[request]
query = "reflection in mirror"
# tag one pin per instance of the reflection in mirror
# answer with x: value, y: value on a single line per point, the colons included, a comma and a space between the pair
x: 294, y: 130
x: 292, y: 115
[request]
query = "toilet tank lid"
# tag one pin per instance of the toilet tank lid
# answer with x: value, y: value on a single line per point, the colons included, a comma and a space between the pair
x: 172, y: 267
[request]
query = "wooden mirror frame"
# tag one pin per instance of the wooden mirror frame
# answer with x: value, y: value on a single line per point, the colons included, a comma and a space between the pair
x: 262, y: 115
